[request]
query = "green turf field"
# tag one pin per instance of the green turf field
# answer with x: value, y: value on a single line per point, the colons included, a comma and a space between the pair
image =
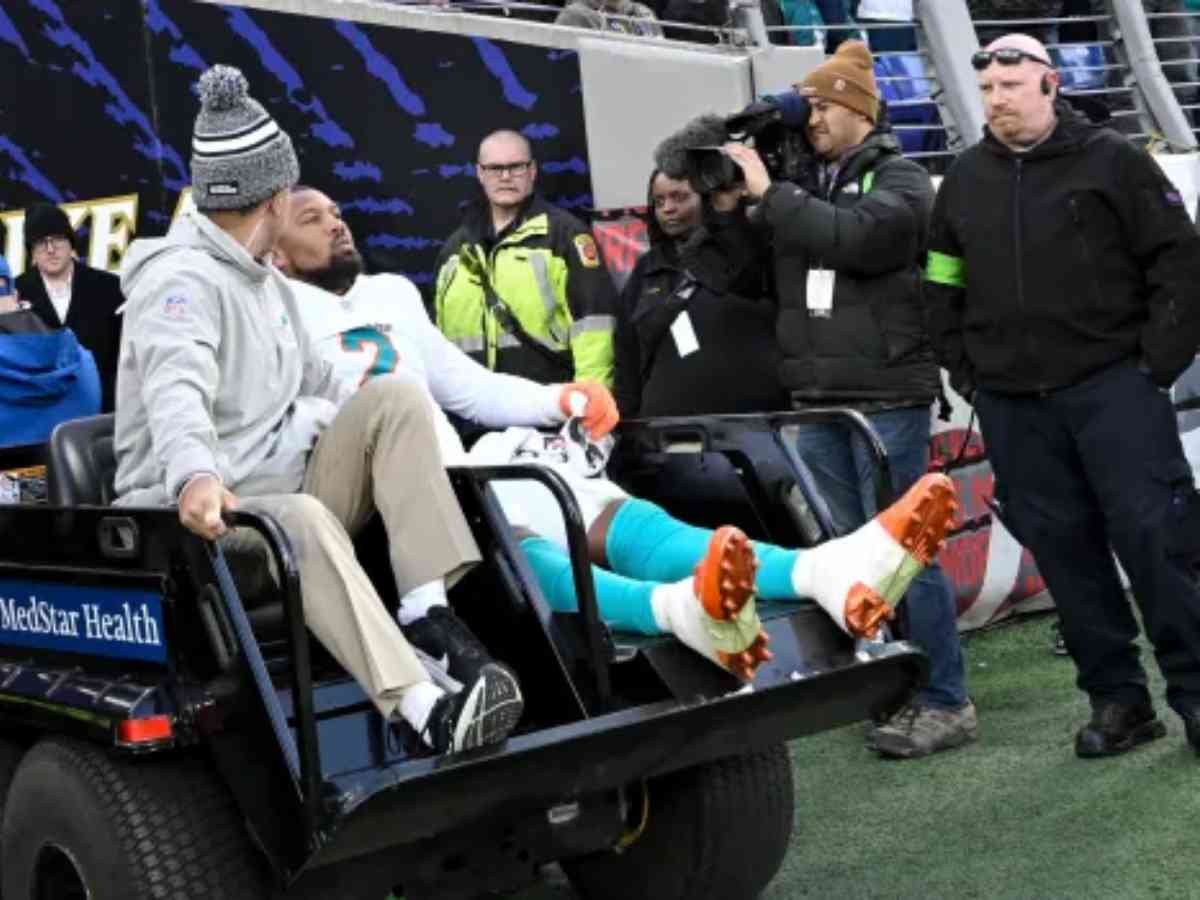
x: 1014, y: 816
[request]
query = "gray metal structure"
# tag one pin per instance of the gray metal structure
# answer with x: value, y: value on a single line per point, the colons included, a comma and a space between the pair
x: 1131, y: 65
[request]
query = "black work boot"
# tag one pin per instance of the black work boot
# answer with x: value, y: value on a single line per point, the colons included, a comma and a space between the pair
x: 1117, y: 727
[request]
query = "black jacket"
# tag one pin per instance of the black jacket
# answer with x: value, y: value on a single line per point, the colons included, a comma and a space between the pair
x: 718, y: 276
x: 92, y: 315
x: 1049, y: 265
x: 869, y: 227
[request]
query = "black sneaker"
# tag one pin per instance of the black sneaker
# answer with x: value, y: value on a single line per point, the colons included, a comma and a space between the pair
x: 450, y: 643
x: 484, y: 712
x: 1116, y: 728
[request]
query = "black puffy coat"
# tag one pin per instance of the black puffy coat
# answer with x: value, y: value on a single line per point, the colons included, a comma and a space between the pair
x: 719, y: 277
x: 868, y: 225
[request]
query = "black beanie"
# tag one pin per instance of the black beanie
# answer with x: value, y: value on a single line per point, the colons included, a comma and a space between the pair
x: 42, y: 221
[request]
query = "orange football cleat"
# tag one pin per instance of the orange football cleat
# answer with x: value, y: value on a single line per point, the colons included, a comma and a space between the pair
x: 919, y: 520
x: 724, y: 584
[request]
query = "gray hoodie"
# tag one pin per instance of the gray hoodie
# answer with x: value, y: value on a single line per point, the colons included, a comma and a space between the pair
x: 216, y: 373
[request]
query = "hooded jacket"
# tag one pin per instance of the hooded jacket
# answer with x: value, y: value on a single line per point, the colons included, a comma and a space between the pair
x: 1048, y: 265
x: 715, y: 285
x: 216, y: 372
x: 93, y: 316
x: 867, y: 226
x: 45, y: 379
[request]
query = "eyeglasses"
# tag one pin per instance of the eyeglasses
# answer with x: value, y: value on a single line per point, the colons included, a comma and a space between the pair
x: 51, y: 242
x: 1005, y: 56
x: 496, y: 170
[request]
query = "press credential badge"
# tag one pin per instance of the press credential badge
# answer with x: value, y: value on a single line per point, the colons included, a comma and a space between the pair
x: 820, y: 292
x: 686, y: 341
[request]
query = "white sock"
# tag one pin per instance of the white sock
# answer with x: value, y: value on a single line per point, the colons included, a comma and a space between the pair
x: 417, y: 702
x: 678, y: 612
x: 420, y: 600
x: 826, y: 573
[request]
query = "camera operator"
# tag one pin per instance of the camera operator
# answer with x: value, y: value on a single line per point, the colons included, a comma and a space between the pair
x: 695, y: 323
x: 847, y: 243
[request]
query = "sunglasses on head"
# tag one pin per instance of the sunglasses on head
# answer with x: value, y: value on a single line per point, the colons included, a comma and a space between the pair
x: 1005, y: 56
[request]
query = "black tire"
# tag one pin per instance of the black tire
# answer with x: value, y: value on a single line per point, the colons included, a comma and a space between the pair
x: 10, y: 758
x: 83, y: 822
x: 715, y: 832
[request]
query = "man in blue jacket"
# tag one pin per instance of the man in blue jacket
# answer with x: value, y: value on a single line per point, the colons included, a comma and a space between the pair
x: 45, y: 377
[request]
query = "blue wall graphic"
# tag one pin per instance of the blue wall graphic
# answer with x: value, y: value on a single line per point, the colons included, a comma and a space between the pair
x: 100, y: 100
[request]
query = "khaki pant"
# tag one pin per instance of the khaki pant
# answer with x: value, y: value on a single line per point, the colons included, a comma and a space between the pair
x: 380, y: 453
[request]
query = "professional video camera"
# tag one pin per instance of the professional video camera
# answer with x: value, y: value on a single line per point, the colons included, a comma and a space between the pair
x: 776, y: 124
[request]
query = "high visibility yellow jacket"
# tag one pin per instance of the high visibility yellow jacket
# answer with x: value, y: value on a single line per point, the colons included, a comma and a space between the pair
x: 547, y: 275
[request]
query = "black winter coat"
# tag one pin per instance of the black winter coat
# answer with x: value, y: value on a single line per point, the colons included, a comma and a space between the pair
x: 92, y: 315
x: 1047, y: 266
x: 719, y: 279
x: 869, y: 227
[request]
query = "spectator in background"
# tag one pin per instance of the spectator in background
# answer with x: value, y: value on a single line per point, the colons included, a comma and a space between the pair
x: 985, y: 10
x: 8, y: 297
x: 811, y: 21
x: 695, y: 327
x: 836, y: 13
x: 887, y: 12
x: 711, y: 14
x: 622, y: 16
x: 45, y: 377
x: 521, y: 287
x: 66, y: 293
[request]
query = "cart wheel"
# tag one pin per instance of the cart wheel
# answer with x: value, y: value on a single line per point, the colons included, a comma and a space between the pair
x: 10, y: 757
x: 713, y: 832
x: 84, y: 824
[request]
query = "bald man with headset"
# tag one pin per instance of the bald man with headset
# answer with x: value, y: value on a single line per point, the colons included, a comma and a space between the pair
x: 1061, y: 284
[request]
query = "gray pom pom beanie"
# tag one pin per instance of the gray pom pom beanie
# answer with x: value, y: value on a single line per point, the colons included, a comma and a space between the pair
x: 240, y: 156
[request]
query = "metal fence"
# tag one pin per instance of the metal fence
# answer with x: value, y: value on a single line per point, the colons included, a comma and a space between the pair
x: 730, y: 34
x: 1175, y: 36
x: 907, y: 81
x: 1087, y: 50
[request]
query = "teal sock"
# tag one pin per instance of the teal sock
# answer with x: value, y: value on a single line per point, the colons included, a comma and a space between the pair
x: 775, y: 565
x: 624, y: 602
x: 644, y: 541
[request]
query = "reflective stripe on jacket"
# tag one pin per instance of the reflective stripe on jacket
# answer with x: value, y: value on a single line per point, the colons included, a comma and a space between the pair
x: 548, y: 272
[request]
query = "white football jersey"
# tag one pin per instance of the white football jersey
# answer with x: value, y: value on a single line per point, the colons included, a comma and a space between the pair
x: 380, y: 327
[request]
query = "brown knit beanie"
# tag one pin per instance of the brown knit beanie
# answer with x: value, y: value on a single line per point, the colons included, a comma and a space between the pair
x: 846, y: 78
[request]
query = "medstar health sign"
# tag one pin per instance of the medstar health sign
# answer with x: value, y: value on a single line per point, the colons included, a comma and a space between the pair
x: 122, y: 624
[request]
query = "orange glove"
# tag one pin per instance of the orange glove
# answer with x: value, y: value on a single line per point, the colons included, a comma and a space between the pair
x: 599, y: 411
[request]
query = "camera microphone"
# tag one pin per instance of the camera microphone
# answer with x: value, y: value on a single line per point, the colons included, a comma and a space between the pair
x: 671, y: 155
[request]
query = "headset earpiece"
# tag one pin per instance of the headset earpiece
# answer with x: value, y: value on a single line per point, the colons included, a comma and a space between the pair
x: 1046, y: 85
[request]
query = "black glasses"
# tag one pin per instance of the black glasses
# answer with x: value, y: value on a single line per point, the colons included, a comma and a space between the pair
x: 498, y: 169
x: 1005, y: 56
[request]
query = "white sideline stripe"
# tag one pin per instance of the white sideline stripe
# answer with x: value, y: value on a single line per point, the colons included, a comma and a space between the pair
x: 231, y: 145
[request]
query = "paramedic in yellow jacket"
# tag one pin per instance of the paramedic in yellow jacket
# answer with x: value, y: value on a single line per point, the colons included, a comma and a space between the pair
x: 520, y: 285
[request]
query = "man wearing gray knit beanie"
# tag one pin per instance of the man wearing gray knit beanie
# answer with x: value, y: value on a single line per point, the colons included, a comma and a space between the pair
x: 222, y: 403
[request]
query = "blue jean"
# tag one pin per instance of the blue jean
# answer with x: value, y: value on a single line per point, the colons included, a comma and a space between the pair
x: 843, y: 467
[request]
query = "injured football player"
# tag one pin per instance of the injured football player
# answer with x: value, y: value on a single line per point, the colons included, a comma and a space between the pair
x: 653, y: 574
